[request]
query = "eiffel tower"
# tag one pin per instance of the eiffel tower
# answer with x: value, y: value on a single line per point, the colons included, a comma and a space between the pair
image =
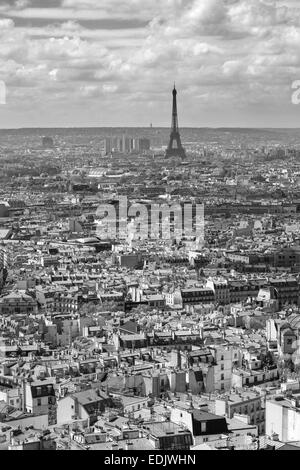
x: 175, y: 148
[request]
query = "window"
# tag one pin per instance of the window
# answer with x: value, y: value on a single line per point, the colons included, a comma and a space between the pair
x: 203, y: 427
x: 39, y: 402
x: 39, y: 391
x: 222, y: 367
x: 222, y: 376
x: 222, y: 358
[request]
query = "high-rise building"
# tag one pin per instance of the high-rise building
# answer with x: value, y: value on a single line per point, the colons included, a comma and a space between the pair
x: 144, y: 145
x: 106, y: 146
x: 136, y: 145
x: 48, y: 143
x: 124, y: 144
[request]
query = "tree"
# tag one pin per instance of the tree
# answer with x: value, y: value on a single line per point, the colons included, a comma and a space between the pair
x: 109, y: 307
x: 289, y: 364
x: 88, y: 309
x: 142, y: 309
x: 91, y: 308
x: 269, y: 359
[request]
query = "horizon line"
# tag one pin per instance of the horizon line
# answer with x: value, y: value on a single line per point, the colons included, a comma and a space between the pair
x: 146, y: 127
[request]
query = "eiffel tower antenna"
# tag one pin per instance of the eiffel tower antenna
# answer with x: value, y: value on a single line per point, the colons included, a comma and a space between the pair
x: 175, y: 148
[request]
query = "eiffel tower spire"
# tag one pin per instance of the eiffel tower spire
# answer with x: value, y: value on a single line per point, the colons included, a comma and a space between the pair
x: 175, y: 148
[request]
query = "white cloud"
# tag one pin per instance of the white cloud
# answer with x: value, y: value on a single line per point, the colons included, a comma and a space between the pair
x: 222, y: 52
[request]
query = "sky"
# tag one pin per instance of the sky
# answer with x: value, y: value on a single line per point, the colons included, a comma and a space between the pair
x: 82, y: 63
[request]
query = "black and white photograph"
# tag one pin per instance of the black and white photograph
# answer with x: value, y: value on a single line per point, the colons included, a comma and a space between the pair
x: 149, y: 228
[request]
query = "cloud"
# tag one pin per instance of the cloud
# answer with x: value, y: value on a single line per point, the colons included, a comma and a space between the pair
x: 222, y: 53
